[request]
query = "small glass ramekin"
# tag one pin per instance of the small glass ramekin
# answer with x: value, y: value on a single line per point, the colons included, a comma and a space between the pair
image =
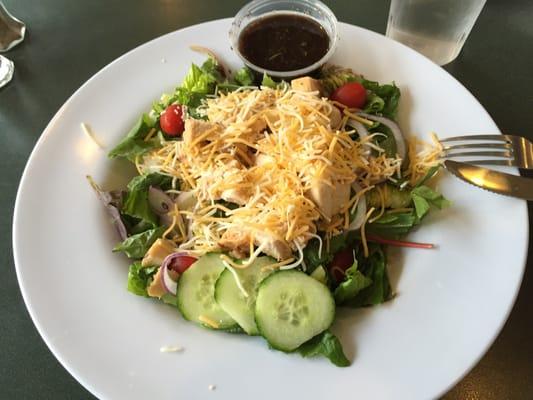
x: 314, y: 9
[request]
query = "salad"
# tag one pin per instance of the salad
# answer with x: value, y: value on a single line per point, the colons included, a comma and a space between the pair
x: 260, y: 206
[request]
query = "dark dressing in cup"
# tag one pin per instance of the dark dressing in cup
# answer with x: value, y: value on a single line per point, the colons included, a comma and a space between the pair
x: 283, y: 42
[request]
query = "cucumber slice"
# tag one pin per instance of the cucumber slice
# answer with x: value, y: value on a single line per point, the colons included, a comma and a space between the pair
x: 231, y: 298
x: 195, y: 294
x: 291, y: 308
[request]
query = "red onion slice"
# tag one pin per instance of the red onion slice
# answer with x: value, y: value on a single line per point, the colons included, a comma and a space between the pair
x: 401, y: 148
x: 169, y: 284
x: 177, y: 263
x: 359, y: 127
x: 361, y: 210
x: 112, y: 202
x: 361, y: 131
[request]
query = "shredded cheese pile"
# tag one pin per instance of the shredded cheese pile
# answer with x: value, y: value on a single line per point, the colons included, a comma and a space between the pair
x: 269, y: 151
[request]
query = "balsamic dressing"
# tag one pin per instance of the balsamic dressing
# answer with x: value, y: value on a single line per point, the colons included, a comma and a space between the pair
x: 284, y: 42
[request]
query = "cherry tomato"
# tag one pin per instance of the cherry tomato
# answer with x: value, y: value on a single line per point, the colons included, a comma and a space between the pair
x: 352, y: 95
x: 171, y: 120
x: 340, y: 263
x: 181, y: 263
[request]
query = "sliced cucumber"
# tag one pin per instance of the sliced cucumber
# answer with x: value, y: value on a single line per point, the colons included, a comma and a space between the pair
x: 291, y: 308
x: 195, y: 294
x: 231, y: 298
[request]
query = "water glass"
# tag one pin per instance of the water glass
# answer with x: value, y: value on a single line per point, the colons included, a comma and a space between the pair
x: 6, y: 70
x: 436, y: 28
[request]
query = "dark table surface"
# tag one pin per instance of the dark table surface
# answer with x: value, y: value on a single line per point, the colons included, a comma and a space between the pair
x: 69, y: 41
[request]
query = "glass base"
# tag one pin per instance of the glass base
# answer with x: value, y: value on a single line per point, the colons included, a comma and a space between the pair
x: 6, y: 71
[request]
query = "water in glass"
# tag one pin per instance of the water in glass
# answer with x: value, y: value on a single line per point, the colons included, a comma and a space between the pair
x: 435, y: 28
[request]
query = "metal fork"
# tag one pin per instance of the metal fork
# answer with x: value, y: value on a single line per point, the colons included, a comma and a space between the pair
x: 509, y: 150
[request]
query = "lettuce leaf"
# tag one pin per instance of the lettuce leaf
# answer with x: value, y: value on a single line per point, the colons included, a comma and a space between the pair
x: 197, y: 84
x: 353, y: 283
x: 137, y: 245
x: 268, y: 82
x: 139, y: 278
x: 199, y: 81
x: 374, y: 268
x: 382, y: 99
x: 325, y: 344
x: 244, y: 77
x: 136, y: 201
x: 424, y: 197
x: 393, y: 225
x: 134, y: 144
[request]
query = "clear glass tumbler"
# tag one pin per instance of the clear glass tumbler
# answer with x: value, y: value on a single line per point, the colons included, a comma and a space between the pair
x: 436, y: 28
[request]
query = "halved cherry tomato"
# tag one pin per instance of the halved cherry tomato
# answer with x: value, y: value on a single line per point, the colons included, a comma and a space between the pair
x: 181, y: 263
x: 340, y: 263
x: 352, y: 95
x: 171, y: 120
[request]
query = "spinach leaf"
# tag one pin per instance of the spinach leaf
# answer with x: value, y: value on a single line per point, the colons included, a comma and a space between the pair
x: 139, y: 278
x: 325, y: 344
x: 374, y: 268
x: 136, y: 201
x: 352, y: 284
x: 244, y: 77
x: 134, y: 144
x: 137, y: 245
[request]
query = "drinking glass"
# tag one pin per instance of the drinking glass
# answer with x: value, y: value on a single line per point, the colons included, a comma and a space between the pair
x: 436, y: 28
x: 6, y: 70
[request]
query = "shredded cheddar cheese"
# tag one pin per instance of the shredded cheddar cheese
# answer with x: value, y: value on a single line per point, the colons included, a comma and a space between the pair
x: 274, y: 155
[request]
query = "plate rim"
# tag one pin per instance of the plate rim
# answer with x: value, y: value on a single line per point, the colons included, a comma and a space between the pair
x: 48, y: 130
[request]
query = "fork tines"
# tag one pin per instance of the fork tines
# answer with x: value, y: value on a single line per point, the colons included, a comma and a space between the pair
x: 502, y: 149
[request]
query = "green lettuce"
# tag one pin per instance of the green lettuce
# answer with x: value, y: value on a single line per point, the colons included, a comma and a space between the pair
x: 374, y: 268
x: 424, y: 197
x: 381, y: 99
x: 268, y: 82
x: 136, y: 200
x: 137, y: 245
x: 393, y: 225
x: 139, y: 278
x: 327, y: 345
x: 134, y: 144
x: 199, y: 82
x: 353, y: 283
x: 244, y: 77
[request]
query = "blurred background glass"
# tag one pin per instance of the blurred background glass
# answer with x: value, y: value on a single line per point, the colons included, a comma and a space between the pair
x: 11, y: 33
x: 436, y: 28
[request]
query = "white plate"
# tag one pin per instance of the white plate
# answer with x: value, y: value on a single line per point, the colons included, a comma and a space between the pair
x: 451, y: 302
